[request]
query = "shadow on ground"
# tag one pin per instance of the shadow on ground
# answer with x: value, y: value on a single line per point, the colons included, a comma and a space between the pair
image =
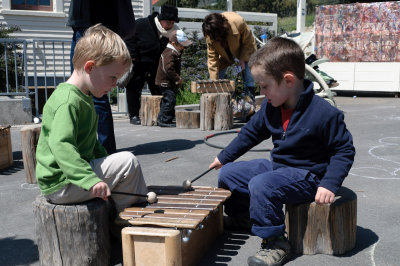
x: 364, y: 239
x: 18, y: 251
x: 162, y: 146
x: 224, y: 249
x: 17, y: 166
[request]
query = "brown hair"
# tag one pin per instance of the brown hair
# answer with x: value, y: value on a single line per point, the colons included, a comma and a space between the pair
x: 278, y: 56
x: 101, y: 45
x: 215, y: 26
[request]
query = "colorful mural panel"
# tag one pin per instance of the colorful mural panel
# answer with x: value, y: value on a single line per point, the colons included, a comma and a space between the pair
x: 360, y: 32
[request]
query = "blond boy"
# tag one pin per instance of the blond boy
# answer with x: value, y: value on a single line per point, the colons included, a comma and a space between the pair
x: 72, y: 166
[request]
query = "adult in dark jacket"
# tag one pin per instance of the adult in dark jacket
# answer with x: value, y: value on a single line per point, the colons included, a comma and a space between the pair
x: 118, y: 16
x: 150, y: 40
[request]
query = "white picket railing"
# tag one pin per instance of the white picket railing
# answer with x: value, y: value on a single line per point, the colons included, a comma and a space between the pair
x: 269, y: 20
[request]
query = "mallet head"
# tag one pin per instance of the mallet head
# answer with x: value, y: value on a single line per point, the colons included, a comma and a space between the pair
x: 187, y: 184
x: 151, y: 197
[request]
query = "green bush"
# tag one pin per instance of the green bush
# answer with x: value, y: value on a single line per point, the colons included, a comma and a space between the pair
x: 113, y: 96
x: 11, y: 59
x: 194, y: 67
x: 187, y: 97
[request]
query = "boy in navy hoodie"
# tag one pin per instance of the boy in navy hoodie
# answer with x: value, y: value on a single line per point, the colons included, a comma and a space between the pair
x: 312, y: 154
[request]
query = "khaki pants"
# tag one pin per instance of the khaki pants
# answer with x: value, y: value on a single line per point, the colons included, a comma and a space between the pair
x: 121, y: 171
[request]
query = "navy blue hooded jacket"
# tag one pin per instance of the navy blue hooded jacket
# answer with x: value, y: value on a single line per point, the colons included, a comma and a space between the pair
x: 316, y: 139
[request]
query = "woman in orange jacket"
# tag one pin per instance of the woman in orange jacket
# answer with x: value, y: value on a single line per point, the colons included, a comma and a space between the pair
x: 228, y: 38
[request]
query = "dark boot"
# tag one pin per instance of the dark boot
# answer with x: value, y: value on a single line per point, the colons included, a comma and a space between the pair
x: 274, y: 251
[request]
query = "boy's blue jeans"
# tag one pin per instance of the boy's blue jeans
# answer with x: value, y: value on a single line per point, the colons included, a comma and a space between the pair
x: 259, y: 192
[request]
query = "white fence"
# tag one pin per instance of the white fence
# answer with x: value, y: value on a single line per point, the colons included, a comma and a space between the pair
x: 268, y: 20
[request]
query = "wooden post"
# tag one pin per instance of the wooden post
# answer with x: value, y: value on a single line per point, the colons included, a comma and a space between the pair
x: 323, y: 229
x: 216, y: 111
x: 29, y: 139
x: 187, y: 118
x: 149, y: 109
x: 72, y: 234
x: 151, y: 246
x: 6, y: 156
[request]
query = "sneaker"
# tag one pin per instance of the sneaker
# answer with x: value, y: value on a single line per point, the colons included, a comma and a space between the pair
x: 274, y: 251
x: 135, y: 120
x: 237, y: 224
x: 162, y: 124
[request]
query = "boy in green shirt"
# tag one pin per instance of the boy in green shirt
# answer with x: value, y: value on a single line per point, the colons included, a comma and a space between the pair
x: 72, y: 166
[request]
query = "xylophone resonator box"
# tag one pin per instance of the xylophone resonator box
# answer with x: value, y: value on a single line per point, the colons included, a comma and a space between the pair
x: 195, y: 218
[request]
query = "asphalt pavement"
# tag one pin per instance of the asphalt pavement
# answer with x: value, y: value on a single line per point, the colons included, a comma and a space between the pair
x: 375, y: 177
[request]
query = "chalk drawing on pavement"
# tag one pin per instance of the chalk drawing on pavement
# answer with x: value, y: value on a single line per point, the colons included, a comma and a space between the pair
x: 386, y: 153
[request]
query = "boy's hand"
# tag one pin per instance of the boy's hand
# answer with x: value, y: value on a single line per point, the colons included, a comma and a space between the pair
x: 324, y: 196
x: 217, y: 164
x: 180, y: 83
x: 100, y: 190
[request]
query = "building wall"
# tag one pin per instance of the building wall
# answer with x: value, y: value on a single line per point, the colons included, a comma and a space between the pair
x: 46, y: 25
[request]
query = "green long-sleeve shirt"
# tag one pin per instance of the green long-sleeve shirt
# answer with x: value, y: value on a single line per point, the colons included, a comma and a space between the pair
x: 68, y: 141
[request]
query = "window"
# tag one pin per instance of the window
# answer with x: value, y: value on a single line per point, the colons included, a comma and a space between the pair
x: 43, y: 5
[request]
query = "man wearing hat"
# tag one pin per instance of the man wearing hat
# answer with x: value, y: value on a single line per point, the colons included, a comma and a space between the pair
x: 150, y: 40
x: 168, y: 76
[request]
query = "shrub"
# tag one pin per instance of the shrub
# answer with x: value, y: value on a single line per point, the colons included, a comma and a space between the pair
x: 187, y: 97
x: 194, y: 67
x: 11, y: 59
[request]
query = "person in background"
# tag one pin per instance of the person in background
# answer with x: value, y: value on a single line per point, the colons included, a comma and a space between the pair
x: 168, y: 76
x: 313, y: 152
x: 228, y: 38
x: 150, y: 40
x: 118, y: 16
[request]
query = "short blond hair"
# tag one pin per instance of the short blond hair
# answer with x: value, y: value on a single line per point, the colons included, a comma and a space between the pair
x: 101, y: 45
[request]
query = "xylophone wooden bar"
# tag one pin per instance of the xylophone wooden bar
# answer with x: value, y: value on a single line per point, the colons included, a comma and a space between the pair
x: 195, y: 214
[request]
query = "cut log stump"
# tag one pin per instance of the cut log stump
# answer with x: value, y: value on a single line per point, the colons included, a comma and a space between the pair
x: 323, y: 229
x: 29, y: 139
x: 72, y: 234
x: 6, y: 155
x: 216, y: 111
x: 149, y: 109
x: 187, y: 118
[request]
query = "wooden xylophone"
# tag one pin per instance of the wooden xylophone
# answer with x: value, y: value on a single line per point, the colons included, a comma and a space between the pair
x: 194, y: 217
x: 212, y: 86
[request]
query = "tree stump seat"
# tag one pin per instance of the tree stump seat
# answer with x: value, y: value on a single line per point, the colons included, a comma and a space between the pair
x: 216, y: 111
x: 72, y: 234
x: 29, y: 140
x: 149, y: 109
x: 6, y: 155
x: 323, y: 229
x: 187, y: 118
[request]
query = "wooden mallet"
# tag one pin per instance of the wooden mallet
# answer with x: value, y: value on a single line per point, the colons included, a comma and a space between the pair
x: 187, y: 184
x: 151, y: 197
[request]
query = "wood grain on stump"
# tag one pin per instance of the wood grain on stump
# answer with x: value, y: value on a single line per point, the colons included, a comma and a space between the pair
x: 216, y: 111
x: 187, y: 118
x: 29, y: 139
x: 323, y: 229
x: 149, y: 109
x: 72, y: 234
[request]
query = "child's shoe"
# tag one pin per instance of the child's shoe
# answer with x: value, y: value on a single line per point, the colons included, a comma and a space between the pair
x: 274, y: 251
